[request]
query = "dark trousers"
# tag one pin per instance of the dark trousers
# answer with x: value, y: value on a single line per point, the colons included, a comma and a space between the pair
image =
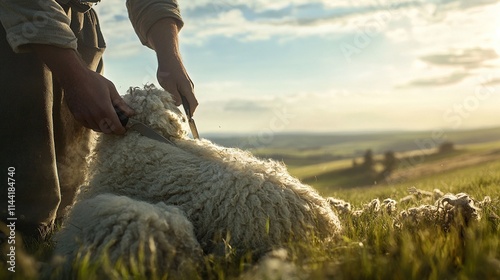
x: 38, y: 135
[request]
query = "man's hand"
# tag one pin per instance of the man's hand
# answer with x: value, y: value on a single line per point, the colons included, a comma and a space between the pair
x: 171, y: 74
x: 89, y: 96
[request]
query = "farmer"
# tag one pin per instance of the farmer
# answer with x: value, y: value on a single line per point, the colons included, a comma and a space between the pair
x: 53, y: 94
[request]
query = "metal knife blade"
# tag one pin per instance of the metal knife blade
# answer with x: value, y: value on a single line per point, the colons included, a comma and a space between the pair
x: 192, y: 124
x: 147, y: 131
x: 143, y: 129
x: 193, y: 128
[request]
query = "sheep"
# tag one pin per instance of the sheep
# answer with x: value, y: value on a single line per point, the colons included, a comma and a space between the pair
x: 443, y: 213
x: 156, y: 237
x: 416, y: 194
x: 234, y: 201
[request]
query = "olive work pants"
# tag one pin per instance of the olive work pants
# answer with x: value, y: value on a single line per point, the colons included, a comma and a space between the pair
x: 39, y: 137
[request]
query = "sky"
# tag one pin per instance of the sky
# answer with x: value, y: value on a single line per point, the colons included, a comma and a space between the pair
x: 326, y: 66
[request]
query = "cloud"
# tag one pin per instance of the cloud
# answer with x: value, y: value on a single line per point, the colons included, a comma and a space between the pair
x: 322, y: 112
x: 256, y: 14
x: 246, y: 106
x: 403, y: 22
x: 437, y: 81
x: 299, y: 13
x: 468, y: 58
x: 257, y: 20
x: 464, y: 60
x: 491, y: 81
x: 436, y: 10
x: 471, y: 4
x: 118, y: 31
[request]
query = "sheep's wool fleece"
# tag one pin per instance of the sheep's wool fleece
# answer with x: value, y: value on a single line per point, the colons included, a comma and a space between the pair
x: 230, y: 197
x: 121, y: 228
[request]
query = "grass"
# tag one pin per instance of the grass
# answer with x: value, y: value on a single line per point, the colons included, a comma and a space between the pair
x: 374, y: 249
x: 417, y: 164
x: 353, y: 144
x: 371, y: 246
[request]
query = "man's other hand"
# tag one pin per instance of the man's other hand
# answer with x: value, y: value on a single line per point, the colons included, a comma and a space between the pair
x: 89, y: 96
x: 171, y: 74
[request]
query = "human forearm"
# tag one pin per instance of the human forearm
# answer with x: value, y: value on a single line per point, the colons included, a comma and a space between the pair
x: 65, y: 64
x: 157, y: 23
x: 144, y: 14
x: 163, y: 38
x: 172, y: 75
x: 89, y: 96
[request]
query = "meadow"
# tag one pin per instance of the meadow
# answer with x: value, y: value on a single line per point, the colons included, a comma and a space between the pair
x: 373, y: 245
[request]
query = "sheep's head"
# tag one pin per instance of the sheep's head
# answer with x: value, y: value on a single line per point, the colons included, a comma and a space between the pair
x: 156, y: 109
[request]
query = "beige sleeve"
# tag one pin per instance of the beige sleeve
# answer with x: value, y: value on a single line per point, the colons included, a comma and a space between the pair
x: 36, y: 22
x: 144, y: 13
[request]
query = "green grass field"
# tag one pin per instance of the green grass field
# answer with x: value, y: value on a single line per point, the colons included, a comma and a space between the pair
x: 413, y: 164
x: 371, y: 246
x: 428, y: 252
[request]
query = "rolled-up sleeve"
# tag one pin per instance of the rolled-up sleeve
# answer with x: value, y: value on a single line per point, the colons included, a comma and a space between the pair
x: 144, y: 13
x: 36, y: 22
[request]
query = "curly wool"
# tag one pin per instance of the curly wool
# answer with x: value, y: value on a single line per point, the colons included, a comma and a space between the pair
x: 443, y: 213
x: 233, y: 199
x: 153, y: 236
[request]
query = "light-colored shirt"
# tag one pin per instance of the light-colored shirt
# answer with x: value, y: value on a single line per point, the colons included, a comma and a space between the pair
x: 45, y: 21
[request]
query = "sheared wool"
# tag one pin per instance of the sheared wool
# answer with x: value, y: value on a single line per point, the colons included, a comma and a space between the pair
x: 232, y: 199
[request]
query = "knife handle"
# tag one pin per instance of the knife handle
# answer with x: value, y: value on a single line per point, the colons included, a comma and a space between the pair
x: 123, y: 118
x: 185, y: 104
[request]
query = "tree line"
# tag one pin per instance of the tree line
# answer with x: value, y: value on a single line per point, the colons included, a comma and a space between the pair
x: 389, y: 162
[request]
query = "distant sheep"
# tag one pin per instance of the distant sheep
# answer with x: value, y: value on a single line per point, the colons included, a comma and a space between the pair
x: 442, y: 213
x: 230, y: 199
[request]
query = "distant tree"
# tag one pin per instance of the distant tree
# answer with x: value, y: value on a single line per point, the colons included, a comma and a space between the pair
x: 368, y: 160
x: 446, y: 147
x: 354, y: 163
x: 390, y: 162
